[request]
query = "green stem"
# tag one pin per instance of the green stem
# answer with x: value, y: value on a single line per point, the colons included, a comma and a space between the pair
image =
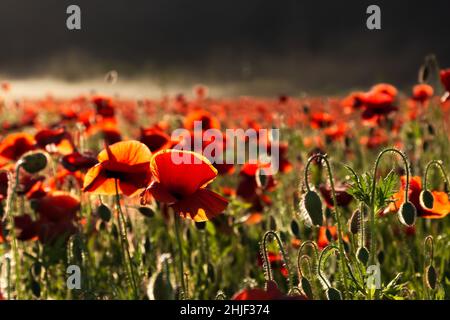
x: 372, y: 197
x: 336, y: 211
x: 319, y: 267
x: 124, y: 245
x: 180, y: 252
x: 266, y: 257
x: 11, y: 198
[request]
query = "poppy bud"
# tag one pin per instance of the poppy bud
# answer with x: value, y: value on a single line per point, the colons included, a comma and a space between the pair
x: 381, y: 256
x: 426, y: 199
x: 200, y: 225
x: 312, y: 208
x: 353, y: 223
x: 295, y: 228
x: 431, y: 277
x: 160, y: 287
x: 407, y: 214
x: 104, y: 213
x: 146, y: 212
x: 306, y: 287
x: 333, y: 294
x: 33, y: 162
x: 363, y: 255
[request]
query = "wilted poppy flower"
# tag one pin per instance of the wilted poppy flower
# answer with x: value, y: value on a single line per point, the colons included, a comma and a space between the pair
x: 342, y: 197
x: 271, y: 293
x: 128, y: 162
x: 183, y: 185
x: 155, y: 139
x: 76, y: 161
x: 15, y: 145
x: 441, y: 206
x: 208, y: 121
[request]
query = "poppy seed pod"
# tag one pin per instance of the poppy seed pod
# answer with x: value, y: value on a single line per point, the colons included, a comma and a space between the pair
x: 312, y: 207
x: 426, y: 199
x: 33, y: 162
x: 407, y: 214
x: 333, y: 294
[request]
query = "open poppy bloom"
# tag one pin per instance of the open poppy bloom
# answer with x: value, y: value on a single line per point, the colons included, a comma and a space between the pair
x: 441, y: 206
x: 128, y: 162
x: 15, y: 145
x: 155, y: 139
x: 183, y: 185
x: 445, y: 79
x: 207, y: 120
x: 104, y: 106
x: 76, y: 161
x: 422, y: 92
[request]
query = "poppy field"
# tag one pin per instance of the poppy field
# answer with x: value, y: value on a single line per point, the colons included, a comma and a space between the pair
x: 94, y: 205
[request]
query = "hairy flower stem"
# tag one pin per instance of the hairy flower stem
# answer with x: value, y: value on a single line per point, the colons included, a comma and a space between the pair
x: 299, y: 255
x: 124, y: 245
x: 439, y: 164
x: 319, y: 266
x: 336, y: 211
x: 180, y: 252
x: 12, y: 190
x: 268, y: 267
x: 372, y: 198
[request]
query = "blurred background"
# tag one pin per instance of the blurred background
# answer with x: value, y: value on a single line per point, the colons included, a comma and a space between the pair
x: 254, y: 47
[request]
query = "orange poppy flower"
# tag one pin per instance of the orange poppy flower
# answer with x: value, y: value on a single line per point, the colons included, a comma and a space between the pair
x: 182, y: 185
x: 15, y: 145
x: 128, y: 162
x: 441, y: 207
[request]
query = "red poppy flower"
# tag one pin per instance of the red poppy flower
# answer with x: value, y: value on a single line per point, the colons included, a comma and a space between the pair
x: 50, y: 136
x: 155, y: 139
x: 422, y: 92
x: 207, y: 120
x: 441, y: 207
x: 445, y: 79
x: 342, y: 197
x: 56, y: 218
x: 104, y: 106
x: 182, y: 185
x: 15, y: 145
x: 76, y: 161
x: 320, y: 120
x: 128, y: 162
x: 271, y: 293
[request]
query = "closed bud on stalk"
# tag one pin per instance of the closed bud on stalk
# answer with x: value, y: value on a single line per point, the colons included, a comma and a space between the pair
x: 306, y: 287
x: 363, y: 255
x: 104, y: 213
x: 426, y: 199
x: 333, y: 294
x: 33, y: 162
x: 353, y: 223
x: 431, y: 277
x: 407, y: 214
x: 312, y: 208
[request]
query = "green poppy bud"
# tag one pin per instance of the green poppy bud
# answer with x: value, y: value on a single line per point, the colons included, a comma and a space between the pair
x: 312, y: 208
x: 407, y: 214
x: 33, y: 162
x: 426, y: 199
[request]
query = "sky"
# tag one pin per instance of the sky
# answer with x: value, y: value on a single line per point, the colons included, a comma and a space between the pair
x: 284, y: 45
